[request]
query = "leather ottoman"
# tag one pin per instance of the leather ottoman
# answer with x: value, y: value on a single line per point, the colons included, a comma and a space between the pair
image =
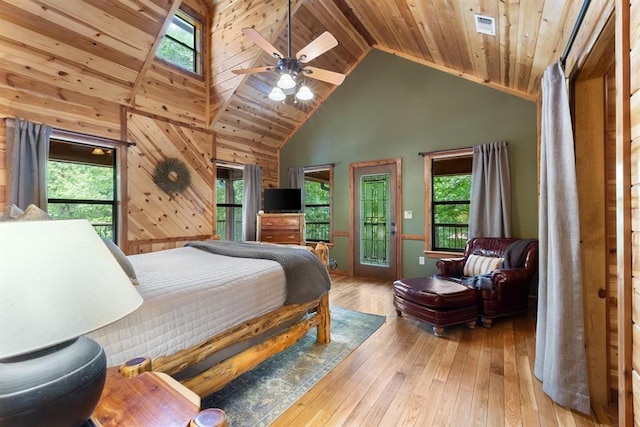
x: 436, y: 301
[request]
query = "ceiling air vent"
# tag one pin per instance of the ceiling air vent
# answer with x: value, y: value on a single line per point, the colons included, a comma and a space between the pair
x: 486, y: 24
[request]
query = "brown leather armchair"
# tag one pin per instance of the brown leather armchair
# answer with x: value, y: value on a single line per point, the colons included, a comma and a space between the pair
x: 505, y: 290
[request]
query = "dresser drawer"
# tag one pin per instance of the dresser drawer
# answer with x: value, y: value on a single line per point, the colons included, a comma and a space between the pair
x: 286, y: 223
x: 280, y: 237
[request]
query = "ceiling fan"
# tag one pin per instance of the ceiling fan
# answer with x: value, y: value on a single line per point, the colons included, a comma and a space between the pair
x: 290, y: 67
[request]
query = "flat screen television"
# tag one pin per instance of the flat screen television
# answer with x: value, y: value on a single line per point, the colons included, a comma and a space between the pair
x: 282, y: 200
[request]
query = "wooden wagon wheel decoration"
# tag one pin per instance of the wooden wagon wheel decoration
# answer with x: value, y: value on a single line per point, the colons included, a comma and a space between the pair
x: 172, y: 176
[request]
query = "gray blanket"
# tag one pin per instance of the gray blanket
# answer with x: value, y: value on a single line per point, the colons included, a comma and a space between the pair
x: 307, y: 279
x: 515, y: 253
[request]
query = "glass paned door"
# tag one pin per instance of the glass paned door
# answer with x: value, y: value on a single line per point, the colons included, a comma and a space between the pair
x: 375, y: 202
x: 375, y: 222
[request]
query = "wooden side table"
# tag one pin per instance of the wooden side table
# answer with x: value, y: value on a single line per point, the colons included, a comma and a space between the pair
x: 151, y: 399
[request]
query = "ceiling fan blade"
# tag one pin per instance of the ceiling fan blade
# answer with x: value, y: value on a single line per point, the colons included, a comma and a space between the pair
x: 252, y: 70
x: 317, y: 47
x: 262, y: 42
x: 324, y: 75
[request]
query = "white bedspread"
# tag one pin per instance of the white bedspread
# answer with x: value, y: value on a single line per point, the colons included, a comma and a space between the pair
x: 190, y: 295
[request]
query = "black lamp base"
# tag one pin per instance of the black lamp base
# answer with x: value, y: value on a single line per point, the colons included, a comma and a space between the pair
x: 58, y: 386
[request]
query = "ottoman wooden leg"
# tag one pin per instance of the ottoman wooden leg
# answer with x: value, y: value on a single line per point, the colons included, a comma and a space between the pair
x: 486, y: 322
x: 438, y: 331
x: 471, y: 324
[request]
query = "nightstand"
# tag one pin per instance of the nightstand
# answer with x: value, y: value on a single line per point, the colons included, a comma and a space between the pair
x: 151, y: 399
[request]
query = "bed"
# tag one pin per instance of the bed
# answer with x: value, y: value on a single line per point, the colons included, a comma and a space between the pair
x: 209, y: 317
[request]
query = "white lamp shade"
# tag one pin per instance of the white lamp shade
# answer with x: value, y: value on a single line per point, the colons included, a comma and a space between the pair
x: 58, y: 281
x: 277, y: 94
x: 304, y: 93
x: 286, y: 81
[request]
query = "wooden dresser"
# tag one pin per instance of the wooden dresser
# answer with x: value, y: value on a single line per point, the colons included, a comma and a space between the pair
x: 281, y: 228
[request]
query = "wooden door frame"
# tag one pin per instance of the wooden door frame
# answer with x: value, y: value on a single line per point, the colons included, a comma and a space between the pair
x: 627, y: 377
x: 398, y: 163
x: 623, y: 217
x: 589, y: 116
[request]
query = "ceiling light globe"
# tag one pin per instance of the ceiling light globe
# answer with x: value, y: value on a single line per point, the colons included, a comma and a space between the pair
x: 304, y: 94
x: 286, y: 81
x: 277, y: 94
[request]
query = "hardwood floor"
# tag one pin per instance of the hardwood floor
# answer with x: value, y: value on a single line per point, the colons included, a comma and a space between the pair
x: 405, y: 376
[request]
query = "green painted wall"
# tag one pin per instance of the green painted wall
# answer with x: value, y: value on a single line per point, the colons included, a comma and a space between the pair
x: 390, y: 107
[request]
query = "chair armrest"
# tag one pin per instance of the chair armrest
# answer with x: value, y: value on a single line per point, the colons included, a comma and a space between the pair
x: 508, y: 275
x: 511, y: 283
x: 451, y: 267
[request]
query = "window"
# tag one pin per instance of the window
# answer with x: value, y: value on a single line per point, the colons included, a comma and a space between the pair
x: 375, y: 211
x: 82, y: 184
x: 229, y: 203
x: 182, y: 43
x: 317, y: 206
x: 447, y: 199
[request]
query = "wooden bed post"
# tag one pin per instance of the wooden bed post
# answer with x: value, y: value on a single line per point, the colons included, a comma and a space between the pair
x: 325, y: 320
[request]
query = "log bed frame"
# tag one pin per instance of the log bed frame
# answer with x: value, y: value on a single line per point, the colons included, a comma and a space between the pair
x: 316, y: 314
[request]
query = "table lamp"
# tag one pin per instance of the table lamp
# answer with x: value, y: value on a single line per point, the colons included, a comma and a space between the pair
x: 58, y: 281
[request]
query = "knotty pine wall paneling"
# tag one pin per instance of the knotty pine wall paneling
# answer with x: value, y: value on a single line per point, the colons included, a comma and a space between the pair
x: 3, y: 165
x: 611, y: 244
x: 627, y: 47
x: 158, y: 220
x: 173, y: 94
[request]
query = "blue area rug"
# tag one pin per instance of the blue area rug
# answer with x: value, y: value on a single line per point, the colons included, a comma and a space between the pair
x: 258, y: 397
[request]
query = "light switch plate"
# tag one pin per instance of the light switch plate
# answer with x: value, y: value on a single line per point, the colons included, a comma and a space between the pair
x: 408, y: 214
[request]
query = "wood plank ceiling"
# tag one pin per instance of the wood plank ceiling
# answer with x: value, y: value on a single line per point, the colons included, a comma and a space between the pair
x: 104, y: 48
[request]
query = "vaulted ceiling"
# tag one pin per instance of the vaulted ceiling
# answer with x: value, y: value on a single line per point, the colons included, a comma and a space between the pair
x: 105, y: 49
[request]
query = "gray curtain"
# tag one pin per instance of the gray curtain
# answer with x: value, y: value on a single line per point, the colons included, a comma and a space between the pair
x: 296, y: 180
x: 27, y: 157
x: 561, y: 362
x: 490, y: 209
x: 251, y: 189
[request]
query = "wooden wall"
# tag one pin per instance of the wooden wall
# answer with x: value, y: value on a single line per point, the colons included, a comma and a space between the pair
x: 629, y: 52
x: 611, y: 244
x: 3, y: 165
x: 165, y: 111
x: 152, y: 213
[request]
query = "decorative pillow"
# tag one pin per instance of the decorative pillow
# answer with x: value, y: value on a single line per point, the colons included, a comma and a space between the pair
x: 122, y: 260
x: 477, y: 265
x: 12, y: 213
x: 34, y: 213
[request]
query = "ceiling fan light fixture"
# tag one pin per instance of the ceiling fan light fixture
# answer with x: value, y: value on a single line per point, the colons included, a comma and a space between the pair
x: 286, y: 81
x: 277, y: 94
x: 290, y: 66
x: 304, y: 93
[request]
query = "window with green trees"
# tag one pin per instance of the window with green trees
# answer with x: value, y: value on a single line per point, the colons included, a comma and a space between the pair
x: 448, y: 198
x: 181, y: 45
x: 82, y: 184
x: 229, y: 203
x: 317, y: 207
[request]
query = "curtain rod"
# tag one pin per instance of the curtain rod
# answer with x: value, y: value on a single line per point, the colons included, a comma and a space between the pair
x: 574, y: 32
x: 79, y: 137
x: 321, y: 166
x: 86, y: 138
x: 226, y: 162
x: 452, y: 151
x: 455, y: 151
